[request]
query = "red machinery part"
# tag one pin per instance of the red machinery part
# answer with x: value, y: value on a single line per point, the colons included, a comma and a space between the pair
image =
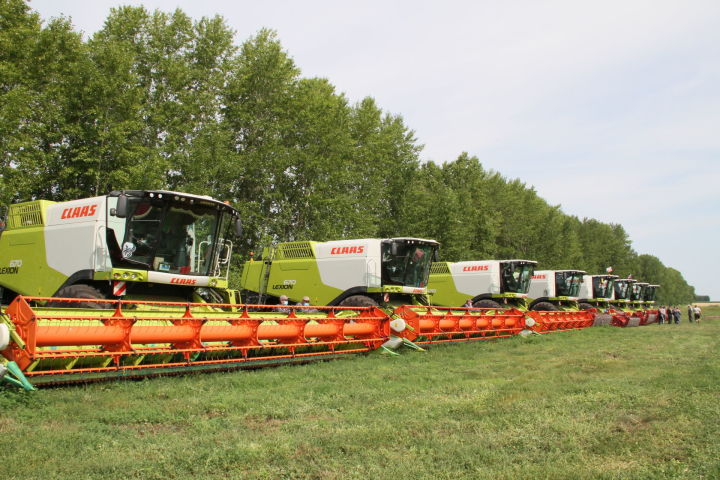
x: 140, y: 335
x: 625, y: 319
x: 651, y: 316
x: 444, y: 324
x: 557, y: 321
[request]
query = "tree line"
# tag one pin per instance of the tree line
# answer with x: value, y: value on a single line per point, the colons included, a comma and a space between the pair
x: 159, y: 100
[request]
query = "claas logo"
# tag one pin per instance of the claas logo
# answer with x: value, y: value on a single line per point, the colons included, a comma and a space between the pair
x: 77, y: 212
x: 538, y: 277
x: 345, y: 250
x: 476, y: 268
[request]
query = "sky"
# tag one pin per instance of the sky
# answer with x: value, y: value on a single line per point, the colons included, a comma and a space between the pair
x: 610, y: 108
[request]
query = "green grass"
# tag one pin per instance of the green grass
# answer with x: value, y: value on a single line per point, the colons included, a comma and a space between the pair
x: 598, y: 403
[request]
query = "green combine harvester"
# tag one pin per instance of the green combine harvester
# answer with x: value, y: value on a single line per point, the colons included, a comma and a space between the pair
x: 553, y: 290
x: 391, y: 273
x: 135, y: 283
x: 482, y: 283
x: 624, y: 306
x: 649, y: 303
x: 142, y: 245
x: 360, y: 272
x: 495, y: 284
x: 596, y: 292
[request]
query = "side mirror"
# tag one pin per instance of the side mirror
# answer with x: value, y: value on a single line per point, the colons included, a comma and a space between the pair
x: 238, y: 228
x: 436, y: 255
x: 394, y: 249
x: 121, y: 209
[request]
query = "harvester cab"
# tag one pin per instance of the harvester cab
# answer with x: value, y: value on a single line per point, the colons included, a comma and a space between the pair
x: 622, y: 289
x: 486, y: 283
x: 637, y: 295
x: 651, y: 310
x: 555, y: 289
x: 139, y: 244
x: 596, y: 291
x: 649, y: 296
x: 362, y: 272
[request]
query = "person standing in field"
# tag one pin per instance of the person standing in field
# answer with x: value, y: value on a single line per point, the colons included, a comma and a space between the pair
x: 661, y: 313
x: 691, y: 314
x: 282, y: 308
x: 698, y: 313
x: 677, y: 314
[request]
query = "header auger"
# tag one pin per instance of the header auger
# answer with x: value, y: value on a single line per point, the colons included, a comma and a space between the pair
x: 430, y: 324
x: 118, y: 338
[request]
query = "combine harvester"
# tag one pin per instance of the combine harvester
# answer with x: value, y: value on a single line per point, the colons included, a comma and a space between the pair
x: 388, y: 273
x: 135, y: 283
x: 596, y: 292
x: 557, y: 291
x: 500, y: 284
x: 652, y: 314
x: 642, y: 296
x: 623, y: 312
x: 637, y: 304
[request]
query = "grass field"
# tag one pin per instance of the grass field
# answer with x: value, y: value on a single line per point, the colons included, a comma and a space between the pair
x: 598, y: 403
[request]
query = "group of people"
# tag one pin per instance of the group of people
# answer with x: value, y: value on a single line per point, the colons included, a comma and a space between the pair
x: 284, y: 303
x: 672, y: 314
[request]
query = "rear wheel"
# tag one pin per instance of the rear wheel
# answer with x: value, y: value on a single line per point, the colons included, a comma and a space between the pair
x: 79, y: 291
x: 486, y: 303
x: 544, y: 307
x: 585, y: 306
x: 358, y: 301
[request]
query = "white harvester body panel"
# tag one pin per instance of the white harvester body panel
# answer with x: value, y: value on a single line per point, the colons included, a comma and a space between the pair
x: 344, y: 264
x: 542, y: 284
x: 74, y: 227
x: 473, y: 278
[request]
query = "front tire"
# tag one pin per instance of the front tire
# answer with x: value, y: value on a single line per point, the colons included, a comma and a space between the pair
x: 358, y: 301
x: 486, y: 303
x: 79, y: 291
x: 544, y: 307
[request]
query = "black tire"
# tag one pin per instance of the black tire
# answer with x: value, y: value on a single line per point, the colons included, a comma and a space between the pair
x: 585, y: 306
x: 544, y: 307
x: 79, y: 291
x: 358, y: 301
x: 487, y: 303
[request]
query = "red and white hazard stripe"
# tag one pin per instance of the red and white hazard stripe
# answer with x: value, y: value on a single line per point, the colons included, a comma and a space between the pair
x: 119, y: 288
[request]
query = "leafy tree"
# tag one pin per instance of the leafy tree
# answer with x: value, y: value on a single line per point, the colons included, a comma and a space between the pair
x: 159, y: 100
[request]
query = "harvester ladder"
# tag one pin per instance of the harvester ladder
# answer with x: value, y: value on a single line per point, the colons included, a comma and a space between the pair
x: 267, y: 262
